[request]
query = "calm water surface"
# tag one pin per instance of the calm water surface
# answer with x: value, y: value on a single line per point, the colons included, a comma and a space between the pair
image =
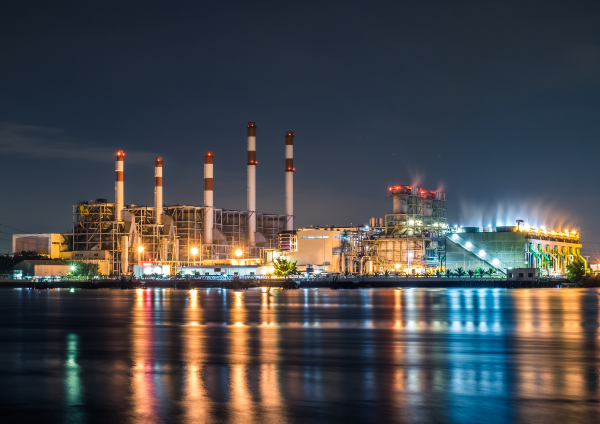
x: 300, y: 356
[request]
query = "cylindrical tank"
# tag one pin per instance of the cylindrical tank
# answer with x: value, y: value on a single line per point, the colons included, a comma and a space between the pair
x: 124, y: 255
x: 396, y: 203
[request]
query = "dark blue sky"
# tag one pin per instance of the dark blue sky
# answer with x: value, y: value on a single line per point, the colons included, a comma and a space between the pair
x: 496, y: 102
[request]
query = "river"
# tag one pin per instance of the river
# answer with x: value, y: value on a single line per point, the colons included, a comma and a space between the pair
x: 300, y: 356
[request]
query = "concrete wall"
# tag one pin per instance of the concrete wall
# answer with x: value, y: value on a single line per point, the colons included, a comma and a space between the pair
x: 50, y: 244
x: 319, y: 248
x: 231, y: 270
x: 42, y: 270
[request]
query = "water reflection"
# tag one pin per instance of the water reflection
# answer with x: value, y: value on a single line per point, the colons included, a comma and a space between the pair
x: 144, y: 395
x: 464, y: 355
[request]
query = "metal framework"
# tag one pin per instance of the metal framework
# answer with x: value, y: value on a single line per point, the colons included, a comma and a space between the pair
x: 173, y: 241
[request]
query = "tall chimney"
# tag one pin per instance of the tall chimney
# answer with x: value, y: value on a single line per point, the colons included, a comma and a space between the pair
x: 252, y: 183
x: 289, y: 179
x: 119, y: 184
x: 208, y: 197
x: 158, y: 192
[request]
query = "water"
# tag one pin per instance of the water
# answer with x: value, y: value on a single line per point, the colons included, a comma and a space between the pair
x: 300, y: 356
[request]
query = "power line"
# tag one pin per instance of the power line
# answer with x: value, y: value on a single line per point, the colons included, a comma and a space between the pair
x: 13, y: 228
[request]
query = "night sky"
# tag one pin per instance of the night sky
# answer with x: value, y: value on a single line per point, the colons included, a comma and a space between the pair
x: 495, y: 103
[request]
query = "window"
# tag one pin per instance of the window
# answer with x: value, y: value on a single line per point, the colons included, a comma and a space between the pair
x: 530, y: 275
x: 510, y: 275
x: 251, y: 273
x: 520, y: 275
x: 95, y: 254
x: 217, y: 269
x: 207, y: 273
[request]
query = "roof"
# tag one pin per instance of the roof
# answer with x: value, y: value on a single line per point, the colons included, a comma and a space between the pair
x: 219, y: 266
x: 42, y: 262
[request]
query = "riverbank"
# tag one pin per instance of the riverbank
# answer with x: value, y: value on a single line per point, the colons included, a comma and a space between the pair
x: 341, y: 283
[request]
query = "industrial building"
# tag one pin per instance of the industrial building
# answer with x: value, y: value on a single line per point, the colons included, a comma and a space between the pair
x: 40, y: 268
x: 512, y: 247
x: 414, y: 238
x: 120, y: 235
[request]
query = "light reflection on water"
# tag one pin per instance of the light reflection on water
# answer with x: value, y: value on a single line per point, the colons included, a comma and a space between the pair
x: 419, y: 355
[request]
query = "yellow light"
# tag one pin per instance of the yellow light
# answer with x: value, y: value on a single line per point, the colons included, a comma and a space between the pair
x: 397, y: 266
x: 140, y: 248
x: 194, y: 250
x: 271, y: 269
x: 238, y: 252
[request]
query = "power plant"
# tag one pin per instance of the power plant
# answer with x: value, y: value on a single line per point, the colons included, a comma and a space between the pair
x: 414, y: 238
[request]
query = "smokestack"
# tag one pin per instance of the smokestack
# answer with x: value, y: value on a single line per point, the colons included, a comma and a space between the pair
x: 252, y: 183
x: 289, y: 179
x: 119, y: 184
x: 158, y: 198
x: 208, y: 197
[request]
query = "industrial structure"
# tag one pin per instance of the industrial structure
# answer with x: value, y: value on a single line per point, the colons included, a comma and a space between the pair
x: 414, y: 238
x: 121, y: 235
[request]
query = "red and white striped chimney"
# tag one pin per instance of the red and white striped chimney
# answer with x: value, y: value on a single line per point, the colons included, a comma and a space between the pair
x: 208, y: 197
x: 289, y: 179
x: 158, y: 191
x: 252, y: 183
x: 119, y: 184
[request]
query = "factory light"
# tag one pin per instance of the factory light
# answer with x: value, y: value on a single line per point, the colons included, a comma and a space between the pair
x: 495, y: 261
x: 271, y: 269
x: 468, y: 244
x: 411, y: 222
x: 454, y: 237
x: 194, y: 250
x: 239, y: 252
x: 397, y: 266
x: 481, y: 253
x: 140, y: 248
x: 72, y: 267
